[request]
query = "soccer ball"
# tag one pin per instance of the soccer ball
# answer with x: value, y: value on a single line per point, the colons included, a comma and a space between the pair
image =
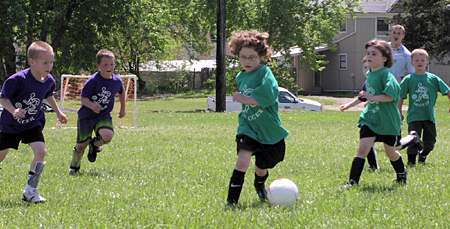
x: 282, y: 192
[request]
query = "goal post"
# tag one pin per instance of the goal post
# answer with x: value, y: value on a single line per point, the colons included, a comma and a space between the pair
x: 70, y: 91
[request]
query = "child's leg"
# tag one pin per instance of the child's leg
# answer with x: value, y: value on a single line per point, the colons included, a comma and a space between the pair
x: 358, y: 162
x: 237, y: 178
x: 413, y: 150
x: 77, y: 155
x: 3, y: 154
x: 261, y: 176
x: 372, y: 159
x: 104, y: 136
x: 429, y: 139
x: 397, y: 162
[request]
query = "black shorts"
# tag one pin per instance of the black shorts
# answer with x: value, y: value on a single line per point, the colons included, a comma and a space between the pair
x: 8, y: 140
x: 366, y: 132
x: 266, y: 156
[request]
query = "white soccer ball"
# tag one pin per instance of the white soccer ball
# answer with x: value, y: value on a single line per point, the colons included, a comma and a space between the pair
x: 282, y: 192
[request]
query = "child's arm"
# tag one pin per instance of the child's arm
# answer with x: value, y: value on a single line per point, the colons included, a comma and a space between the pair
x: 59, y: 114
x: 122, y: 99
x: 375, y: 98
x: 400, y: 105
x: 16, y: 112
x: 95, y: 107
x: 247, y: 100
x: 348, y: 105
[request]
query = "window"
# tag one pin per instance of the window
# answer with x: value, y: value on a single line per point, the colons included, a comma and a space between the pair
x: 317, y: 79
x: 382, y: 27
x: 284, y: 97
x: 343, y: 61
x: 343, y: 27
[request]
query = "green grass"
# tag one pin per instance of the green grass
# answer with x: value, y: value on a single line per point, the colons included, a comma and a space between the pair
x: 173, y: 171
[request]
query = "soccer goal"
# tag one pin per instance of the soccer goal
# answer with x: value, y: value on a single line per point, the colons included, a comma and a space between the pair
x: 70, y: 100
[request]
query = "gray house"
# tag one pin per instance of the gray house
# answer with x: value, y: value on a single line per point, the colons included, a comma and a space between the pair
x: 344, y: 72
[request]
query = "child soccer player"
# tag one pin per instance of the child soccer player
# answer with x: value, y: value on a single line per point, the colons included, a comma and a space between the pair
x: 422, y: 86
x: 259, y: 132
x: 97, y: 102
x: 23, y: 117
x: 380, y: 119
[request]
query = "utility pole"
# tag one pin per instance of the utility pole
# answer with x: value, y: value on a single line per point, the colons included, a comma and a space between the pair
x: 220, y: 58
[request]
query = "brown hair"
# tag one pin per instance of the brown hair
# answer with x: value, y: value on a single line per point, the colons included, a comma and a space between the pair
x: 37, y: 48
x: 401, y: 27
x: 384, y: 48
x: 104, y: 53
x: 419, y: 52
x: 250, y: 39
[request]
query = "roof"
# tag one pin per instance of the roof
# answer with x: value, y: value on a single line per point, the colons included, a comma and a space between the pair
x: 375, y: 6
x: 177, y: 65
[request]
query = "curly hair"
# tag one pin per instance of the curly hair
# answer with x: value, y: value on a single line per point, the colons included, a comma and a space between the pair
x: 384, y: 48
x: 250, y: 39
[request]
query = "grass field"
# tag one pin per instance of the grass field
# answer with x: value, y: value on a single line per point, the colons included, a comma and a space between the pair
x: 173, y: 170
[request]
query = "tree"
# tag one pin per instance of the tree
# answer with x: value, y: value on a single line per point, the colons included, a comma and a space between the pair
x: 426, y: 23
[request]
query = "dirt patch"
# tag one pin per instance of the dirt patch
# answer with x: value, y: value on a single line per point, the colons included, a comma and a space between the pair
x: 338, y: 101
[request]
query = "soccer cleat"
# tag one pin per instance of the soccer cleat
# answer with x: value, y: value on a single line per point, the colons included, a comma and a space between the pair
x: 350, y: 184
x: 261, y: 192
x: 73, y: 171
x: 32, y: 195
x: 93, y: 150
x: 410, y: 139
x: 422, y: 159
x: 401, y: 178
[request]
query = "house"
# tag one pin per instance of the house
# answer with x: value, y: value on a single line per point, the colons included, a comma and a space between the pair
x: 344, y: 72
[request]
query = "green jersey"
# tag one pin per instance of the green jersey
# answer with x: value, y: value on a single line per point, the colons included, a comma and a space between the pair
x: 422, y: 90
x: 383, y: 118
x: 260, y: 122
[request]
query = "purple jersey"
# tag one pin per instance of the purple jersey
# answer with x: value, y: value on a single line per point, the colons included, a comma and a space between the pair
x: 101, y: 91
x: 25, y: 92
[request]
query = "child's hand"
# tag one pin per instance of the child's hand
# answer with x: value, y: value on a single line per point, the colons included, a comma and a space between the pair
x: 122, y: 113
x: 343, y: 107
x: 19, y: 113
x: 62, y: 118
x: 96, y: 107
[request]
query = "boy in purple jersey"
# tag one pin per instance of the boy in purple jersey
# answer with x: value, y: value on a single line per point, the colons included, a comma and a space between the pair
x: 97, y: 102
x: 23, y: 117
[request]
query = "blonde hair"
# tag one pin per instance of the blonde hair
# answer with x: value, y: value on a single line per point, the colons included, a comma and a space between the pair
x: 104, y: 53
x: 37, y: 48
x: 394, y: 27
x: 416, y: 52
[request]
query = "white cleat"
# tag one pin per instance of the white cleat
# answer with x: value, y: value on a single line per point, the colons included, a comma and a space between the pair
x: 32, y: 195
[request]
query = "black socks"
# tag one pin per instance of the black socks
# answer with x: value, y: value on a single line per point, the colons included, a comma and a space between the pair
x: 356, y: 170
x: 235, y: 187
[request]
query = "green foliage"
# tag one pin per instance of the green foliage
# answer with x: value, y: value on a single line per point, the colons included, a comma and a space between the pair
x: 173, y: 172
x: 426, y: 25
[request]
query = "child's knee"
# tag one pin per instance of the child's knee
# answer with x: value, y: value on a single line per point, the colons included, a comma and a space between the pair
x: 106, y: 136
x: 3, y: 154
x: 242, y: 164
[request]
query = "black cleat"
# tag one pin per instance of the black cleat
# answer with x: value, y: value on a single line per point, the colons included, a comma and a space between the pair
x: 261, y: 192
x: 93, y: 150
x: 73, y: 171
x: 401, y: 178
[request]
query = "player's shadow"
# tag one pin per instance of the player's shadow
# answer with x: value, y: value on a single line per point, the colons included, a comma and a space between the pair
x: 96, y: 173
x: 12, y: 203
x: 377, y: 188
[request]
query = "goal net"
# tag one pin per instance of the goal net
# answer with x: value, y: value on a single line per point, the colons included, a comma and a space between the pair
x: 70, y: 100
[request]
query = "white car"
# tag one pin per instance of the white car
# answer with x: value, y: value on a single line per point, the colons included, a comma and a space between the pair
x: 286, y: 102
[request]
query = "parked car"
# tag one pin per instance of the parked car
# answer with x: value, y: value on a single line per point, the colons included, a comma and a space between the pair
x: 286, y: 101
